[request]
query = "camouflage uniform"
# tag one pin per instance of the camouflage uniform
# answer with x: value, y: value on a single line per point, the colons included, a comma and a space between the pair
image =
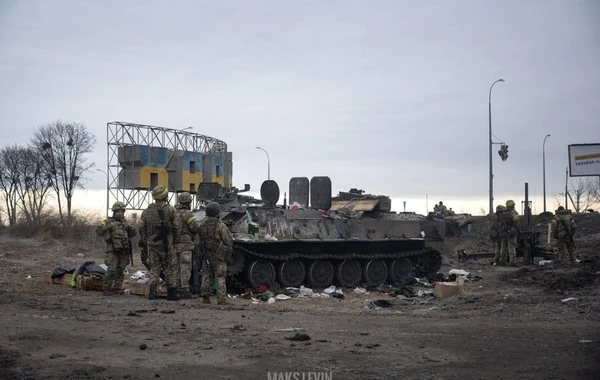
x: 510, y: 225
x: 441, y: 212
x: 117, y: 234
x: 185, y: 247
x: 563, y: 228
x: 149, y: 228
x: 218, y: 243
x: 496, y: 235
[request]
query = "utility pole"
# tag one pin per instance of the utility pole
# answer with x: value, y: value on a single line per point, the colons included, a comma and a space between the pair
x: 490, y: 141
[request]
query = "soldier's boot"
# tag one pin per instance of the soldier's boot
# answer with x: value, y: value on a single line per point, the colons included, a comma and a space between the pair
x: 206, y: 299
x: 152, y: 295
x: 106, y: 291
x: 172, y: 294
x: 118, y: 290
x: 184, y: 294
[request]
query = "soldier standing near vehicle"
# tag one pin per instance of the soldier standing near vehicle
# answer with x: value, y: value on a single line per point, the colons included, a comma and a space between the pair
x: 218, y: 246
x: 563, y: 229
x: 117, y: 234
x: 510, y: 224
x: 189, y: 228
x: 160, y: 228
x: 496, y: 235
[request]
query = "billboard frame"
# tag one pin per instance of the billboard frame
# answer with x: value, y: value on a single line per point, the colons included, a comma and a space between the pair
x: 597, y: 174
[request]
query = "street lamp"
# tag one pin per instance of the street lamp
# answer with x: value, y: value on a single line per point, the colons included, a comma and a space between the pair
x: 268, y: 163
x: 107, y: 192
x: 490, y: 135
x: 544, y: 168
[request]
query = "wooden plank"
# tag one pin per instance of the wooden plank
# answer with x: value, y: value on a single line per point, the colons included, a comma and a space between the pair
x: 355, y: 205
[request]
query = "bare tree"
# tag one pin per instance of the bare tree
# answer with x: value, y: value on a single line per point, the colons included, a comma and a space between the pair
x: 579, y: 195
x: 34, y: 185
x: 63, y: 147
x: 10, y: 181
x: 594, y: 190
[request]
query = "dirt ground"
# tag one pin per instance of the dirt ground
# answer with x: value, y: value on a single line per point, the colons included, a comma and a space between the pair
x: 511, y: 324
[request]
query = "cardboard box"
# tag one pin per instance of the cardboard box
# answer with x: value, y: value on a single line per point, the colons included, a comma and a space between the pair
x: 449, y: 289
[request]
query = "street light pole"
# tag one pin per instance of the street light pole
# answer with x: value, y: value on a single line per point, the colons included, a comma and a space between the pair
x: 544, y: 168
x: 490, y: 141
x: 268, y: 163
x: 107, y: 192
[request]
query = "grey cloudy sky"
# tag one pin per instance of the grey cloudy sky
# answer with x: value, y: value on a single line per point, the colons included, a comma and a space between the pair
x: 388, y: 96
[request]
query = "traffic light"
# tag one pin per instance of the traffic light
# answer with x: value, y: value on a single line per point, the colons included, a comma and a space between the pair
x: 503, y: 152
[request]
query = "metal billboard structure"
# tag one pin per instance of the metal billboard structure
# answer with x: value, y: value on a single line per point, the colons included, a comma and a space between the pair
x: 123, y: 168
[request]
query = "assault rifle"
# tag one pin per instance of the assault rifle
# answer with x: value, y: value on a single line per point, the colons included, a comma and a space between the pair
x: 204, y: 259
x: 130, y: 249
x: 568, y: 229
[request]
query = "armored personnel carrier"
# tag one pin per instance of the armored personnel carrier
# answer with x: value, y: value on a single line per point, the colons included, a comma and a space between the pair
x: 348, y: 240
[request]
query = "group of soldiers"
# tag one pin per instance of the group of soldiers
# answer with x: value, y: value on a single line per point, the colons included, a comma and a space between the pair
x: 441, y: 211
x: 168, y: 237
x: 506, y: 224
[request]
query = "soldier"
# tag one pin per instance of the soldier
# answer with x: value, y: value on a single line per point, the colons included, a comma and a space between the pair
x: 496, y: 235
x: 189, y: 228
x: 441, y: 210
x: 563, y: 229
x: 160, y: 227
x: 117, y: 234
x: 510, y: 225
x: 218, y: 244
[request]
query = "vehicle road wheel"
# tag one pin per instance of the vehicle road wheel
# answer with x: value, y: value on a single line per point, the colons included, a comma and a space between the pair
x: 261, y: 272
x: 291, y: 273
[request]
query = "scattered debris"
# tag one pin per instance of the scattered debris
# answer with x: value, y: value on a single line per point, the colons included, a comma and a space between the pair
x: 378, y: 304
x: 459, y: 272
x: 290, y: 329
x: 299, y: 337
x: 143, y: 346
x: 566, y: 300
x: 449, y: 289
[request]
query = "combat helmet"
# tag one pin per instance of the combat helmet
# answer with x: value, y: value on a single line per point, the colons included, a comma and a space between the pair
x: 213, y: 209
x: 184, y: 197
x: 560, y: 208
x: 118, y: 206
x: 510, y: 203
x: 500, y: 208
x: 160, y: 192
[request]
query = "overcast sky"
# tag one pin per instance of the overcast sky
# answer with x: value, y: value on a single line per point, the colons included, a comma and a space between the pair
x: 387, y: 96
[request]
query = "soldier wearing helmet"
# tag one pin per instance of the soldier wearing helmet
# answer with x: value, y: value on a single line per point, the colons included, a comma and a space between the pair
x: 496, y: 234
x: 117, y: 234
x: 185, y: 247
x: 441, y: 210
x: 563, y: 229
x: 160, y: 228
x: 218, y: 243
x: 510, y: 226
